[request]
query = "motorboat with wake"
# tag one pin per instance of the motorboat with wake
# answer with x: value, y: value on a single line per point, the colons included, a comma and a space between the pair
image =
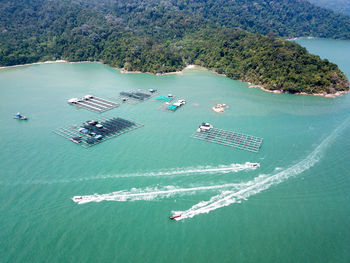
x: 174, y: 216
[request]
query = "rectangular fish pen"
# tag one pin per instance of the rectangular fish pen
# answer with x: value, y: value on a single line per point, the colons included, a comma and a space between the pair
x: 93, y: 103
x: 229, y: 138
x: 93, y: 132
x: 136, y: 96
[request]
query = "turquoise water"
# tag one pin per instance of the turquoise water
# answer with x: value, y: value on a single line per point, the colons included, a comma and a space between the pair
x: 293, y: 208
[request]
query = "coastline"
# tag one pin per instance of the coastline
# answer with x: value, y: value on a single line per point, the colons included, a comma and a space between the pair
x: 123, y: 71
x: 49, y: 62
x: 326, y: 95
x: 191, y: 66
x: 296, y: 38
x: 252, y: 85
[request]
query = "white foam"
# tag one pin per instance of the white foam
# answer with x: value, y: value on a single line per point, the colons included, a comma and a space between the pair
x: 197, y: 170
x: 260, y: 183
x: 230, y: 193
x: 220, y: 169
x: 147, y: 193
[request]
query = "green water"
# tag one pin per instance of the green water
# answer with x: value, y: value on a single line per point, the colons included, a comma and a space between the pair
x: 294, y: 208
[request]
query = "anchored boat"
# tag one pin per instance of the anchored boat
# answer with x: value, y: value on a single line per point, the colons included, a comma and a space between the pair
x: 205, y: 126
x: 18, y: 116
x: 219, y: 108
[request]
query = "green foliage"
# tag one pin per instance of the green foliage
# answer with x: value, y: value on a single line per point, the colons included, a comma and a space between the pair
x: 274, y: 63
x: 341, y: 6
x: 162, y: 36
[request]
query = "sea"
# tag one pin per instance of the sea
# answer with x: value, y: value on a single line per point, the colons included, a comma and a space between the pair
x: 292, y: 207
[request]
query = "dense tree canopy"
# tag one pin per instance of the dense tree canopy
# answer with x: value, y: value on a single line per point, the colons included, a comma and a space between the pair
x: 340, y: 6
x: 163, y: 36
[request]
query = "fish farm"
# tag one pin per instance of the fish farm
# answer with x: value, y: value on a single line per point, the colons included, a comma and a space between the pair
x: 136, y: 96
x: 241, y: 141
x: 167, y: 106
x: 168, y: 98
x: 93, y: 103
x: 93, y: 132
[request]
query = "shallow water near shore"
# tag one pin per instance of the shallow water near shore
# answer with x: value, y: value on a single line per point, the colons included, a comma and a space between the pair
x: 293, y: 208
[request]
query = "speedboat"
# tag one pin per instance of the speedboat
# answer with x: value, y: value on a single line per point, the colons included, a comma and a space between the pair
x: 174, y: 216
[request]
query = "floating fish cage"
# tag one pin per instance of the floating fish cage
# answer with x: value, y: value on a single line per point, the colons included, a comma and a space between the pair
x: 229, y: 138
x: 136, y: 96
x: 168, y: 98
x: 93, y: 103
x: 93, y: 132
x: 167, y: 106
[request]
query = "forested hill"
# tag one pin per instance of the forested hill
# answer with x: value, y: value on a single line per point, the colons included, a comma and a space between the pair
x: 340, y: 6
x: 163, y: 36
x: 285, y: 18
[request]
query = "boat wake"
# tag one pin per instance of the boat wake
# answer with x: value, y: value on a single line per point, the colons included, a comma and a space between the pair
x: 198, y: 170
x: 148, y: 193
x: 229, y: 193
x: 220, y: 169
x: 260, y: 183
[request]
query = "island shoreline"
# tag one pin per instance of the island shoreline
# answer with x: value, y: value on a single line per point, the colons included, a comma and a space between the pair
x: 181, y: 72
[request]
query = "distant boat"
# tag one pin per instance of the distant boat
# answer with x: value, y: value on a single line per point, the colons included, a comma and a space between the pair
x: 76, y: 139
x: 205, y: 127
x: 174, y: 216
x: 18, y: 116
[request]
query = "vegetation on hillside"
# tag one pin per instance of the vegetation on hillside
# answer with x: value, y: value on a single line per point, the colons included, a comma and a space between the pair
x: 270, y: 62
x: 340, y: 6
x: 163, y: 36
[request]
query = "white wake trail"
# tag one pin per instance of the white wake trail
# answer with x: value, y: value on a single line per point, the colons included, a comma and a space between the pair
x: 151, y: 193
x: 260, y: 183
x: 220, y: 169
x: 184, y: 171
x: 230, y: 193
x: 148, y: 193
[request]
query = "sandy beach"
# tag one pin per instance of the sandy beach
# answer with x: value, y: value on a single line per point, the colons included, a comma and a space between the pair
x: 191, y: 66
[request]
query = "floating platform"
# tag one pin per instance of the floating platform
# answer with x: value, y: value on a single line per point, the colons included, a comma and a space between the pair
x: 167, y: 106
x: 168, y: 98
x: 136, y: 96
x: 93, y: 132
x: 93, y: 103
x: 229, y: 138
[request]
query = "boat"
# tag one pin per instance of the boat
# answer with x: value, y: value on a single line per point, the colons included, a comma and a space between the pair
x: 98, y: 137
x: 177, y: 105
x: 88, y: 97
x: 174, y: 216
x: 76, y: 139
x: 83, y: 130
x: 219, y: 108
x: 205, y: 127
x: 73, y: 101
x: 18, y: 116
